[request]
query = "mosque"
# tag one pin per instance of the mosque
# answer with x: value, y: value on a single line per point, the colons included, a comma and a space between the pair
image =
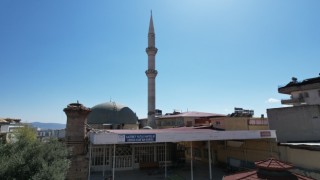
x: 112, y: 115
x: 107, y: 138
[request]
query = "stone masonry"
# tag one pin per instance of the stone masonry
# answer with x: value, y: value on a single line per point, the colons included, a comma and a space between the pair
x: 76, y: 140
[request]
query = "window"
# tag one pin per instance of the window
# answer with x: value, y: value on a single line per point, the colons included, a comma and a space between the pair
x: 319, y: 93
x: 306, y: 94
x: 300, y: 96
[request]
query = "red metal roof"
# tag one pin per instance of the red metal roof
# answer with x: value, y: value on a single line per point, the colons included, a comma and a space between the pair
x: 254, y: 175
x: 192, y: 114
x: 244, y: 175
x: 273, y: 164
x: 268, y: 169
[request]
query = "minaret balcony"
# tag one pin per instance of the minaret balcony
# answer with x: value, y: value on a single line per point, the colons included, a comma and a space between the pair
x: 151, y: 50
x: 151, y: 73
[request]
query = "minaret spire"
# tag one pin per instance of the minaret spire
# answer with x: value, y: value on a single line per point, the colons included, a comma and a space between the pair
x: 151, y: 28
x: 151, y: 34
x: 151, y: 73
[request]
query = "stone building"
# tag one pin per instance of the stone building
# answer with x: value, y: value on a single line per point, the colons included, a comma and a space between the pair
x: 77, y: 141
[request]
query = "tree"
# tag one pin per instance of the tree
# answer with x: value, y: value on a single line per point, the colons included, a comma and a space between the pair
x: 26, y: 134
x: 28, y: 158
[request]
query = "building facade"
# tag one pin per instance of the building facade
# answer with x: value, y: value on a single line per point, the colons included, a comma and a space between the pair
x: 298, y: 125
x: 301, y: 121
x: 7, y: 127
x: 46, y: 134
x: 240, y: 123
x: 306, y: 92
x: 186, y: 119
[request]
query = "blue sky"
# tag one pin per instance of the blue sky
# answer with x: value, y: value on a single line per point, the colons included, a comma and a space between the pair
x: 213, y: 55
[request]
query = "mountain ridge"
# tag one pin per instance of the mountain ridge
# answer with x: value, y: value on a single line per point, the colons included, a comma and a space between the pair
x: 42, y: 125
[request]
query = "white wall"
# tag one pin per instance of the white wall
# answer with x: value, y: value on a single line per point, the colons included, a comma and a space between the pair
x: 312, y: 98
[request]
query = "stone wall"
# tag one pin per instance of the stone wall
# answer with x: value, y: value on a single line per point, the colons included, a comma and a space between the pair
x: 78, y: 168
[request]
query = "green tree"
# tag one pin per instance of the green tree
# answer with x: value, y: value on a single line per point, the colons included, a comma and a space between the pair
x: 28, y: 158
x: 26, y: 134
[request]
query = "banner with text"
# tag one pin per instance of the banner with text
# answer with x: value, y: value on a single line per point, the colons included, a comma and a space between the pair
x: 137, y: 138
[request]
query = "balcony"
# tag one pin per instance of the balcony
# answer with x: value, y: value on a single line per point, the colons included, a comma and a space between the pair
x: 293, y: 101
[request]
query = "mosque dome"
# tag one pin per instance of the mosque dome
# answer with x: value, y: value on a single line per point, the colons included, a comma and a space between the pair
x: 112, y: 113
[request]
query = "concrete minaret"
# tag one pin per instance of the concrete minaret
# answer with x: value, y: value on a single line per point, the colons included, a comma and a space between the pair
x: 151, y: 74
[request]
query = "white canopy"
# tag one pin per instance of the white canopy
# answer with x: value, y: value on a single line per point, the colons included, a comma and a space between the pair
x: 173, y: 135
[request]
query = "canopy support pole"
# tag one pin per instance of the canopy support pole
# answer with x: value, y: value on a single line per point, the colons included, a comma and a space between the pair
x: 165, y: 160
x: 209, y: 152
x: 114, y: 160
x: 90, y: 154
x: 191, y: 162
x: 104, y: 159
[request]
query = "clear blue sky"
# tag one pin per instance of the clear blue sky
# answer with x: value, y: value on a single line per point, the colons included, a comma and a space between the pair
x: 213, y: 55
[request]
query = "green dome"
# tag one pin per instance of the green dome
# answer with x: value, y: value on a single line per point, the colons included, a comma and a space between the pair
x: 112, y: 113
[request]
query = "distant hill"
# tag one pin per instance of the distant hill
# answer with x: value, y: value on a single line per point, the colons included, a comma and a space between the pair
x: 48, y: 125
